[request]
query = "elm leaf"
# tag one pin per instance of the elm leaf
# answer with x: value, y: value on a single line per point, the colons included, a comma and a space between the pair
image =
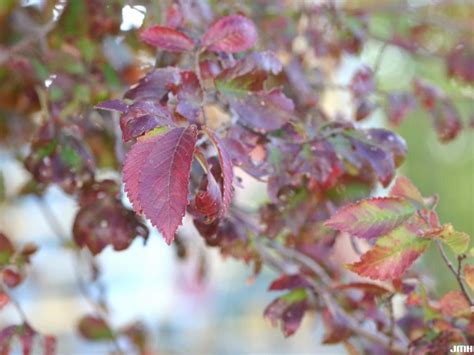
x: 134, y: 162
x: 373, y: 217
x: 394, y: 253
x: 230, y: 34
x: 167, y: 38
x: 164, y: 178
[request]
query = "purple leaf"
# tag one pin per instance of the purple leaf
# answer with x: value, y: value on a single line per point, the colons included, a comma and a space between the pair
x: 190, y: 96
x: 362, y: 83
x: 230, y: 34
x: 264, y: 110
x: 155, y: 85
x: 142, y: 117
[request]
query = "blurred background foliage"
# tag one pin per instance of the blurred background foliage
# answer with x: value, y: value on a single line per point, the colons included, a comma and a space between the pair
x: 98, y: 67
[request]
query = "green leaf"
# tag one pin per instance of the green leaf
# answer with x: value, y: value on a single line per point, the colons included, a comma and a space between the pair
x: 458, y: 242
x: 296, y: 295
x: 94, y: 328
x: 71, y: 157
x: 373, y: 217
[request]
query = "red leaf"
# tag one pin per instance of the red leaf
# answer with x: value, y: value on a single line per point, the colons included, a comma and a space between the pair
x: 454, y: 304
x: 288, y: 282
x: 230, y: 34
x: 394, y: 253
x: 226, y: 170
x: 399, y: 105
x: 167, y: 38
x: 163, y: 180
x: 404, y: 188
x: 372, y: 217
x: 208, y: 201
x: 134, y: 162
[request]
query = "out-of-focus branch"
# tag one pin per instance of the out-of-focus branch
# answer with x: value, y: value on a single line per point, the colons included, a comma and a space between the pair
x: 322, y: 290
x: 58, y: 231
x: 35, y: 37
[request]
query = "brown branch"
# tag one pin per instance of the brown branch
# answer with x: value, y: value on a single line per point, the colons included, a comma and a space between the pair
x: 457, y: 274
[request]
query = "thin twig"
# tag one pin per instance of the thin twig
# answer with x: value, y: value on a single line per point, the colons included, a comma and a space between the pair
x: 14, y: 302
x: 455, y: 273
